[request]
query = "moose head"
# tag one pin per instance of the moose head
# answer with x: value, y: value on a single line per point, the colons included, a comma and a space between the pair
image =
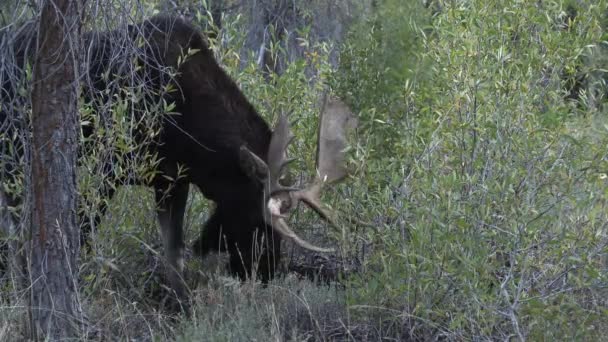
x: 336, y: 119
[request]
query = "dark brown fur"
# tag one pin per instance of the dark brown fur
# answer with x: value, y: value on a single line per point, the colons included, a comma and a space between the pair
x: 216, y: 114
x: 213, y: 120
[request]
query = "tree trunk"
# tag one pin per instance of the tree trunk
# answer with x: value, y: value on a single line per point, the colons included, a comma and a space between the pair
x: 325, y: 20
x: 55, y: 308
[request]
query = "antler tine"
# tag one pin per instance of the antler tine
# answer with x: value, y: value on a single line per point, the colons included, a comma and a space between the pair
x: 277, y: 151
x: 311, y: 196
x: 336, y: 120
x: 282, y: 228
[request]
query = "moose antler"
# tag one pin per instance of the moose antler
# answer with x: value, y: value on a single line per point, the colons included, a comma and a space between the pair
x: 336, y: 120
x: 281, y: 138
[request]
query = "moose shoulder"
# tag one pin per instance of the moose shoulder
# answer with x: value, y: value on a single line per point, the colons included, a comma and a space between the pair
x: 214, y: 139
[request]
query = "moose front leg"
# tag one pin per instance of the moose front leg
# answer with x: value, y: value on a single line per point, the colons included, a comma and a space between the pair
x: 212, y: 238
x: 171, y: 204
x: 258, y: 250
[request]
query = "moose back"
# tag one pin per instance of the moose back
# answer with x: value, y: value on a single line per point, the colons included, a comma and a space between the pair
x: 213, y: 138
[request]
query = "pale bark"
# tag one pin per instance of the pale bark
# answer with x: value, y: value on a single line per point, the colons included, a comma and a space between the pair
x: 327, y: 20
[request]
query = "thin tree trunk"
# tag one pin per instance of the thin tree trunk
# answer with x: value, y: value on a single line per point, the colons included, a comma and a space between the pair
x: 262, y: 15
x: 55, y: 308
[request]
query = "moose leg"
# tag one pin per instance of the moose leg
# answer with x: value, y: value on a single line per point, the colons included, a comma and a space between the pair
x: 211, y: 238
x: 259, y: 249
x: 270, y: 256
x: 240, y: 260
x: 171, y: 203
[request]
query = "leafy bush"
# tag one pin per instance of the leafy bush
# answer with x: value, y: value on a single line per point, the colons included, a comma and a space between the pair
x: 485, y: 187
x: 478, y: 201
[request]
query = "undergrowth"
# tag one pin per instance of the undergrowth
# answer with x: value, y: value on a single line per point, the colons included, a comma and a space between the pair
x: 477, y: 203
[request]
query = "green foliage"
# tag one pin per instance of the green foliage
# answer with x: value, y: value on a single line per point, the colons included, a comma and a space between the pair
x: 486, y: 188
x: 483, y: 183
x: 478, y: 201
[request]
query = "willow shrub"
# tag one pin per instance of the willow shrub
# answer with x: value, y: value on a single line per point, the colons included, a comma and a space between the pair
x: 483, y: 183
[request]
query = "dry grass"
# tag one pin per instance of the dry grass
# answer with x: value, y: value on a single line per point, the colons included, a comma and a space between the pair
x: 123, y: 290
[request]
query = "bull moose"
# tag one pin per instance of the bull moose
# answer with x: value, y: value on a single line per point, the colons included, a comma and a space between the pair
x: 215, y: 139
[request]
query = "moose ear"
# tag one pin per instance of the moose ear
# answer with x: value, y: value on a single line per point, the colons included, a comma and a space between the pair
x: 252, y: 165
